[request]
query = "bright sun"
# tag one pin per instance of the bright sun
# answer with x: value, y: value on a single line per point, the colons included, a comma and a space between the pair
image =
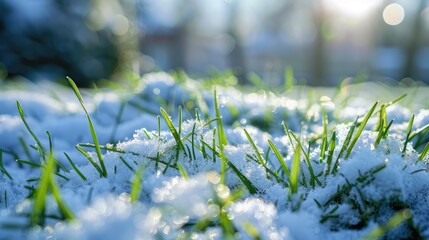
x: 352, y: 8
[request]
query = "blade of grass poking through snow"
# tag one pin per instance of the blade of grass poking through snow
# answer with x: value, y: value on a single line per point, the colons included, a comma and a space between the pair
x: 47, y: 181
x: 249, y: 185
x: 76, y: 169
x: 383, y: 134
x: 2, y: 168
x: 360, y: 130
x: 394, y: 222
x: 180, y: 119
x: 91, y: 127
x: 222, y: 141
x: 331, y: 149
x: 172, y: 129
x: 136, y: 185
x: 313, y: 177
x: 93, y: 163
x: 407, y: 138
x: 294, y: 175
x: 182, y: 171
x: 261, y: 159
x: 324, y: 135
x: 344, y: 146
x: 39, y: 146
x: 422, y: 154
x: 280, y: 158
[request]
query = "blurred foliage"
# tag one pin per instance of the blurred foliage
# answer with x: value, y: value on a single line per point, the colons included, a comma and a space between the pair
x: 51, y: 39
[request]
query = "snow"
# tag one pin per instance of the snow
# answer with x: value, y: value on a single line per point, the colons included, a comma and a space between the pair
x: 378, y: 180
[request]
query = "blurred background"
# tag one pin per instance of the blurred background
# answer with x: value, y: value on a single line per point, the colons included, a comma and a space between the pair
x: 323, y: 41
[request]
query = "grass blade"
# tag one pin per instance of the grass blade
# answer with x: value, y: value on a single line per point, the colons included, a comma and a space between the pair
x: 407, y: 138
x: 136, y: 185
x: 75, y: 167
x: 393, y: 223
x: 172, y: 129
x: 222, y: 141
x: 249, y: 185
x: 360, y: 129
x: 331, y: 149
x: 91, y: 127
x: 84, y: 153
x: 424, y: 152
x: 289, y: 78
x: 261, y: 159
x: 39, y: 146
x: 182, y: 171
x: 2, y: 168
x: 344, y: 146
x: 280, y: 158
x: 294, y: 175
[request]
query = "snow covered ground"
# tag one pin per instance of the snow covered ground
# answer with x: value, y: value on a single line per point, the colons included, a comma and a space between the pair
x: 325, y: 182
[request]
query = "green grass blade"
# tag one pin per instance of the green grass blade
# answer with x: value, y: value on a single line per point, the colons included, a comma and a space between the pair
x: 221, y: 131
x: 261, y: 159
x: 222, y: 141
x: 289, y: 78
x: 104, y: 147
x: 386, y: 105
x: 288, y: 133
x: 64, y: 209
x: 313, y: 177
x: 93, y: 163
x: 331, y: 149
x: 247, y: 183
x: 37, y: 216
x: 394, y: 222
x: 360, y: 129
x: 91, y: 127
x: 407, y: 138
x: 25, y: 148
x: 180, y: 119
x: 294, y: 175
x: 424, y: 152
x: 39, y: 146
x: 172, y: 129
x: 280, y: 158
x: 419, y: 131
x: 255, y: 149
x: 324, y: 135
x: 136, y: 185
x: 182, y: 171
x: 76, y: 169
x: 47, y: 181
x: 344, y: 146
x: 257, y: 81
x: 2, y: 168
x: 126, y: 164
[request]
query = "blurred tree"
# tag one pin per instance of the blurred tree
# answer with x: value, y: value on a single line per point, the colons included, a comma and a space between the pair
x: 414, y: 42
x: 50, y: 39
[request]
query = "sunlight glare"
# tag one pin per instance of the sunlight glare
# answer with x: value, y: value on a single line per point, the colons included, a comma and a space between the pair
x: 393, y: 14
x: 352, y: 8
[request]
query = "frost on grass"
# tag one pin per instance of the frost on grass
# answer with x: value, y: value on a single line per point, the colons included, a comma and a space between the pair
x: 165, y: 184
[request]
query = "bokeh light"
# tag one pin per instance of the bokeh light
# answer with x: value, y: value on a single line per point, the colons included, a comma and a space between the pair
x: 352, y: 8
x: 393, y: 14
